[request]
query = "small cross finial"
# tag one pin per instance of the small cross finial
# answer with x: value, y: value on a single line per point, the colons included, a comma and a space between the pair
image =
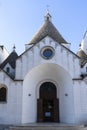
x: 14, y: 47
x: 47, y: 16
x: 48, y: 8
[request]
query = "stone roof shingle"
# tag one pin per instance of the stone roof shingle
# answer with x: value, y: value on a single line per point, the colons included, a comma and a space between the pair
x: 83, y: 57
x: 48, y: 29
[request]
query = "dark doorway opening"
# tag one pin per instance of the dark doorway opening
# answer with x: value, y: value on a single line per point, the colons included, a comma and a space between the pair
x: 48, y: 104
x: 48, y: 111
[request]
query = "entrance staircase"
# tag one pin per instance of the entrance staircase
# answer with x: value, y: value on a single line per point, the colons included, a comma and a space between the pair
x: 51, y: 126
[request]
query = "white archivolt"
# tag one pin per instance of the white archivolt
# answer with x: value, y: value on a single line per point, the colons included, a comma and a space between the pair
x: 63, y: 81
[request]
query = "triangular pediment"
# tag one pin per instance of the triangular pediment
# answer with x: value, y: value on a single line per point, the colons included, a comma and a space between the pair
x: 47, y: 41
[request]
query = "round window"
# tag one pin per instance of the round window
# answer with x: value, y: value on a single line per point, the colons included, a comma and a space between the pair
x: 47, y: 52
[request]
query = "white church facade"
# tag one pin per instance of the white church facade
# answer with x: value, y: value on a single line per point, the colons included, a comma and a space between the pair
x: 46, y: 83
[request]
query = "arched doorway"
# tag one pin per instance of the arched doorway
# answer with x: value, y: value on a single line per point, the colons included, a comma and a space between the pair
x: 48, y: 104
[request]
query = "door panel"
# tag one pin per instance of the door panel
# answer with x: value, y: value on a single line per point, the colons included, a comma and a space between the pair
x: 56, y: 110
x: 39, y: 110
x: 48, y: 111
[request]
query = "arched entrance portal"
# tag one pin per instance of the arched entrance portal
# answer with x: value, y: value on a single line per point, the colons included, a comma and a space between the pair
x: 48, y: 104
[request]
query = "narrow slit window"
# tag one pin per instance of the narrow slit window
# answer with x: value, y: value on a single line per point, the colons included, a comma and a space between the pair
x: 8, y: 70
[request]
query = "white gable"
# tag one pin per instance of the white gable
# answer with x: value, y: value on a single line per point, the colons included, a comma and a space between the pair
x: 32, y: 57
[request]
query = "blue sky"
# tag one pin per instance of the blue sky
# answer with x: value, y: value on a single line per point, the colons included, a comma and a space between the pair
x: 21, y: 19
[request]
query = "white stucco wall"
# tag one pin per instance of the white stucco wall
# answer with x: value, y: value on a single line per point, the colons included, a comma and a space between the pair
x: 10, y: 111
x: 80, y: 101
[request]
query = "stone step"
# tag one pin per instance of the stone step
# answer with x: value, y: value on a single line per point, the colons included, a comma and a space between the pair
x: 4, y: 127
x: 48, y: 127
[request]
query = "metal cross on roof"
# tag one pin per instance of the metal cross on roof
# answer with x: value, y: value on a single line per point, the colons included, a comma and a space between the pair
x: 48, y: 8
x: 14, y: 47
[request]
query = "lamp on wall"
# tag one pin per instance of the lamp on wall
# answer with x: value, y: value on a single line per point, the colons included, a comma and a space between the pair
x: 29, y: 94
x: 66, y: 94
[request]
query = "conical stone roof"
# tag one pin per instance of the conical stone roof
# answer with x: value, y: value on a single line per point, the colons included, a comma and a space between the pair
x: 48, y: 29
x: 82, y: 52
x: 83, y: 57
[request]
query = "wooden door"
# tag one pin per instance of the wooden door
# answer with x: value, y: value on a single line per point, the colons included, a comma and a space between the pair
x: 48, y: 104
x: 39, y: 110
x: 56, y: 110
